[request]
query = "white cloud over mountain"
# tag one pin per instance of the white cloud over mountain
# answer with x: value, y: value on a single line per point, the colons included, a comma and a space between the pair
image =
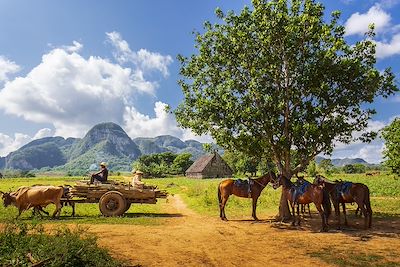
x: 74, y: 93
x: 9, y: 144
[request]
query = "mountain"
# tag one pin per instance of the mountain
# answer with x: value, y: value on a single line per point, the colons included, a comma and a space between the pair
x: 168, y: 143
x: 342, y: 162
x: 104, y: 142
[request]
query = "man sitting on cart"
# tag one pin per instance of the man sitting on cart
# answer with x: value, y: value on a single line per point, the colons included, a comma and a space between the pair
x: 100, y: 176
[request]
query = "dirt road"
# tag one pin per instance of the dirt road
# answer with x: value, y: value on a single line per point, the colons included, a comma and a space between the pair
x: 188, y: 239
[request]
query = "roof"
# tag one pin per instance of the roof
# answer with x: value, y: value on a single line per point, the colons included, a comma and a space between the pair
x: 200, y: 164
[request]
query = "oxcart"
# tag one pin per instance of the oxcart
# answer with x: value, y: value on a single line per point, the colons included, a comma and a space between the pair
x: 114, y: 198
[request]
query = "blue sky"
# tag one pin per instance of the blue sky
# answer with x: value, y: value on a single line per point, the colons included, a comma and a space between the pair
x: 67, y: 65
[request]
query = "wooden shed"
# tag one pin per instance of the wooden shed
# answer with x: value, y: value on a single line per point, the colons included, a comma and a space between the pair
x: 209, y: 166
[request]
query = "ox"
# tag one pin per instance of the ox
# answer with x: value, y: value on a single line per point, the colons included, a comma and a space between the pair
x: 37, y: 196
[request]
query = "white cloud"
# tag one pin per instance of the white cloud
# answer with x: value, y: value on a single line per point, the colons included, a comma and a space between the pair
x: 143, y: 59
x: 164, y: 123
x: 9, y: 144
x: 358, y: 23
x: 45, y: 132
x: 388, y: 3
x: 74, y: 93
x: 371, y: 152
x: 388, y: 49
x: 7, y: 67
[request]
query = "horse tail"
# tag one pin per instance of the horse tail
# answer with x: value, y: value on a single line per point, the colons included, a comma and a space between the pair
x: 219, y: 194
x: 367, y: 202
x: 326, y: 202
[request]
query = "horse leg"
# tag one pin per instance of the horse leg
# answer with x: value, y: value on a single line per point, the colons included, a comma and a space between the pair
x: 294, y: 214
x: 254, y: 208
x: 344, y: 213
x: 309, y: 212
x: 223, y: 203
x: 364, y: 212
x: 323, y: 217
x: 298, y: 214
x: 337, y: 213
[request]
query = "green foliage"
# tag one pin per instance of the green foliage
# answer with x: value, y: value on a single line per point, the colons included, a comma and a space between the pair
x: 64, y: 247
x: 242, y: 163
x: 391, y: 134
x: 327, y: 166
x: 354, y: 168
x: 312, y: 169
x: 276, y: 79
x: 159, y: 165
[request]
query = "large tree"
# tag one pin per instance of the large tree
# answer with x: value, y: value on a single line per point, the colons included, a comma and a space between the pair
x: 278, y: 80
x: 391, y: 134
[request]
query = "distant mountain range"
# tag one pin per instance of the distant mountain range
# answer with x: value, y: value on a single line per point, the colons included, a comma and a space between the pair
x: 104, y: 142
x: 343, y: 162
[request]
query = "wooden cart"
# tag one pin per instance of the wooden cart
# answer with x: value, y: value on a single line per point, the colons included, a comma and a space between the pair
x: 114, y: 198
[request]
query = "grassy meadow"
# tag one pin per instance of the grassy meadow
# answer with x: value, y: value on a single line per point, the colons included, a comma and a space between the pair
x: 200, y: 196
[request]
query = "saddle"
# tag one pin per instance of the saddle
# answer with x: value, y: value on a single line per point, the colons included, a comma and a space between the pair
x: 343, y: 188
x: 244, y: 184
x: 299, y: 189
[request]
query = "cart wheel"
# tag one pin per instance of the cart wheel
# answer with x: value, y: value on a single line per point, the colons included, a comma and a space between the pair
x: 128, y: 205
x: 112, y: 204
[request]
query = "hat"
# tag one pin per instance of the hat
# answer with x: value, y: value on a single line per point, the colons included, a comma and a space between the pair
x: 103, y: 164
x: 137, y: 172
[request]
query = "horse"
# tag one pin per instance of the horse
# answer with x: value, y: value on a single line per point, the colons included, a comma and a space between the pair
x: 356, y: 192
x: 253, y: 190
x: 305, y: 194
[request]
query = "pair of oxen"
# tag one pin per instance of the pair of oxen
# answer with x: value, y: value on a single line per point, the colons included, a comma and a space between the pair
x: 321, y: 193
x: 36, y: 197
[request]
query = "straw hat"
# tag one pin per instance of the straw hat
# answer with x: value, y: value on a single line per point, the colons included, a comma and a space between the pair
x: 103, y: 164
x: 137, y: 172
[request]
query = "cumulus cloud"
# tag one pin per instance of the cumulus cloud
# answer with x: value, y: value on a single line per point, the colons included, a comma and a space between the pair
x: 384, y: 50
x: 371, y: 152
x: 7, y: 67
x: 74, y: 93
x: 143, y: 59
x: 9, y: 144
x: 139, y: 125
x: 358, y: 23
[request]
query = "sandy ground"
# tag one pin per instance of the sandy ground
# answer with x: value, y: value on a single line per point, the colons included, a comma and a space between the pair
x: 188, y: 239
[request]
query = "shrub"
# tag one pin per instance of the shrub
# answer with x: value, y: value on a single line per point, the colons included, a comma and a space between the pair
x: 62, y: 247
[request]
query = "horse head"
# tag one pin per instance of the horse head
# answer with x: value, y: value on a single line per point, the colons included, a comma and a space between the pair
x: 278, y: 181
x: 319, y: 180
x: 7, y: 199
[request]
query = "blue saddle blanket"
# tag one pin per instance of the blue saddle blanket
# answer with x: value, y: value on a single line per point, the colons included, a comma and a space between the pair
x: 343, y: 188
x: 299, y: 190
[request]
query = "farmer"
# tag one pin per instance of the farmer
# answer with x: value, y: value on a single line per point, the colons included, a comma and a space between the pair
x: 137, y: 179
x: 100, y: 176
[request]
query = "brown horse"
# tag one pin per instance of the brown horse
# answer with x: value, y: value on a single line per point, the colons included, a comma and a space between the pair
x: 229, y: 187
x: 305, y: 194
x: 356, y: 192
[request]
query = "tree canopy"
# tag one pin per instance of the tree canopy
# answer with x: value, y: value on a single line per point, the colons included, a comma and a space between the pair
x: 278, y: 80
x: 391, y: 153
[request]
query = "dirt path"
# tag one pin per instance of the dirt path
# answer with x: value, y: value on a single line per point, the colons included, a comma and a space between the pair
x: 194, y: 240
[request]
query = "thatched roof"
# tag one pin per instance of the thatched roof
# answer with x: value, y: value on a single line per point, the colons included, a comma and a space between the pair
x: 200, y: 164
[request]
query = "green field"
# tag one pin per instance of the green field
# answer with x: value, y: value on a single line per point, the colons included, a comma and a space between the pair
x: 201, y: 196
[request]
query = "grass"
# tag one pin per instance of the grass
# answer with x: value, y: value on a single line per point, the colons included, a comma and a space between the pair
x: 201, y: 196
x: 344, y: 258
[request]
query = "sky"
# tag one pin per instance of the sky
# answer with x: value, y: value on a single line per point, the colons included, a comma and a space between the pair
x: 68, y: 65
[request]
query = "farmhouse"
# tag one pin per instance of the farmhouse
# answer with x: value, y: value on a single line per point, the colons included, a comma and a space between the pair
x: 209, y: 166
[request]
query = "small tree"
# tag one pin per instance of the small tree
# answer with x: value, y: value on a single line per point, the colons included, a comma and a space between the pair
x: 327, y: 166
x: 391, y: 153
x: 312, y: 169
x: 181, y: 163
x: 277, y: 80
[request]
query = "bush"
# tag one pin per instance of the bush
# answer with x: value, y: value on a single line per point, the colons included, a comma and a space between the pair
x: 23, y: 244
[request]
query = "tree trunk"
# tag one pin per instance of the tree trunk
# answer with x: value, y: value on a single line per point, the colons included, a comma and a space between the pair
x: 284, y: 212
